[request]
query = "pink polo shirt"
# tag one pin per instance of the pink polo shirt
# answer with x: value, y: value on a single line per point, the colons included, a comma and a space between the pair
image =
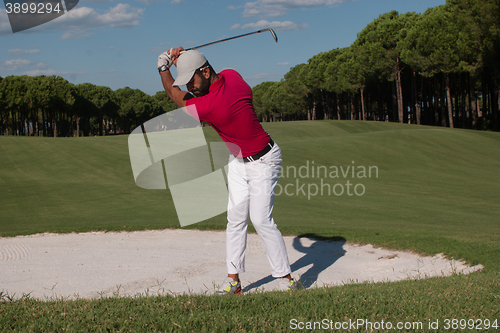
x: 229, y: 110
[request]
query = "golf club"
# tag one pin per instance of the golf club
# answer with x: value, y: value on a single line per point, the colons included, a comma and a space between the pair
x: 226, y: 39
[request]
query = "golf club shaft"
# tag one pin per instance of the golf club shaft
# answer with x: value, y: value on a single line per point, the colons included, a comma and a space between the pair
x: 226, y: 39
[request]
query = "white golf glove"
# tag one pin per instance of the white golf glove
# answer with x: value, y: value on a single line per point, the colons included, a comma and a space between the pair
x: 165, y: 61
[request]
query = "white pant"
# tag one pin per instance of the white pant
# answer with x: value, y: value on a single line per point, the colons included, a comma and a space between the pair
x: 251, y: 193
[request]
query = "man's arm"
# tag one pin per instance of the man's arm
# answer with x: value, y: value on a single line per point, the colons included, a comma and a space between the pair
x: 166, y: 60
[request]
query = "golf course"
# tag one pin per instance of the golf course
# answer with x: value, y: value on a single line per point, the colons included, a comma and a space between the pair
x: 423, y: 189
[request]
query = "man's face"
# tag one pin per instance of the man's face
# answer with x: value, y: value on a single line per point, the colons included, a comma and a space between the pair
x: 200, y: 83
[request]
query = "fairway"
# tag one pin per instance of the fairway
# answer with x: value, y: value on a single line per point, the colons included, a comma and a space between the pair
x: 422, y: 188
x: 428, y: 190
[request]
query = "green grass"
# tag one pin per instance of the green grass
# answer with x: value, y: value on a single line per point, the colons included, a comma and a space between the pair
x: 459, y: 297
x: 437, y: 191
x: 70, y: 184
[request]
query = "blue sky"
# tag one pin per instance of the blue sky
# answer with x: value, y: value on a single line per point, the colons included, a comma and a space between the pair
x: 116, y: 43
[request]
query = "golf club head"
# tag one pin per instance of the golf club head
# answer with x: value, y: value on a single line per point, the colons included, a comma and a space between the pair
x: 274, y: 35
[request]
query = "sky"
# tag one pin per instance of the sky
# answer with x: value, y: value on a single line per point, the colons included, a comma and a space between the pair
x: 116, y: 43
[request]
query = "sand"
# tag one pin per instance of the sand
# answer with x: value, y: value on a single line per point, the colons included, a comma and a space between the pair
x: 177, y: 261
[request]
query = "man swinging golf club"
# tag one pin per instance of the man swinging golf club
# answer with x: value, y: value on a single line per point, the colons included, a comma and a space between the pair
x: 224, y: 100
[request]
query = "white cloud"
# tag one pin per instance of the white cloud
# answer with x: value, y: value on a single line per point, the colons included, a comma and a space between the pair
x: 14, y: 64
x: 77, y: 22
x: 276, y: 25
x: 20, y: 65
x: 41, y: 65
x: 273, y: 8
x: 261, y: 76
x: 122, y: 15
x: 177, y: 2
x: 49, y: 72
x: 74, y: 34
x: 20, y: 51
x: 148, y: 2
x: 32, y: 68
x: 283, y: 63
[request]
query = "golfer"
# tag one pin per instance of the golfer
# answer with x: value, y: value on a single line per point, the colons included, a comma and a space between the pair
x: 224, y: 100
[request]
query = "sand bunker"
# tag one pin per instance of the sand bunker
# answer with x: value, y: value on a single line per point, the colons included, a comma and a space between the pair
x: 97, y: 264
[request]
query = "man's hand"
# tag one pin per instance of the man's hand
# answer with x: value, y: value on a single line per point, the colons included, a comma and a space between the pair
x: 175, y: 53
x: 165, y: 60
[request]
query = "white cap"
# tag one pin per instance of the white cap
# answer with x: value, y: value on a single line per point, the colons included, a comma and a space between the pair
x: 187, y: 64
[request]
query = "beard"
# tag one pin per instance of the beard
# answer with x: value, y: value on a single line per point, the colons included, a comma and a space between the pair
x: 204, y: 87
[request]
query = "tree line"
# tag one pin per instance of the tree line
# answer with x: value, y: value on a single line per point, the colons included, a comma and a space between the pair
x: 437, y: 68
x: 52, y: 106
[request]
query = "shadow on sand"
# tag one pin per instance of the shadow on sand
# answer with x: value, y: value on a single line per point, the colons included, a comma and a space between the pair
x: 322, y: 253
